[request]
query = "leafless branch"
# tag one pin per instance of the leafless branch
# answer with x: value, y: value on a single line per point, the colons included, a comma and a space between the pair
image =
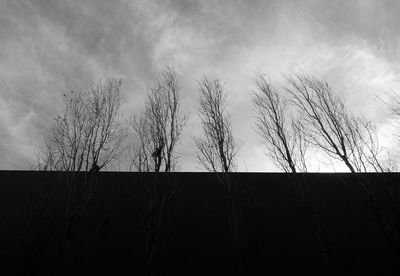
x: 158, y: 129
x: 88, y: 133
x: 217, y: 149
x: 330, y: 127
x: 284, y: 139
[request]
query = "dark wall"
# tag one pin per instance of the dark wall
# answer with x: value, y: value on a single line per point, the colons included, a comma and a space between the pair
x: 54, y: 223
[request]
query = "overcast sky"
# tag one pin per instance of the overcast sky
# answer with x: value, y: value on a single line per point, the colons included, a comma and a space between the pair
x: 48, y: 47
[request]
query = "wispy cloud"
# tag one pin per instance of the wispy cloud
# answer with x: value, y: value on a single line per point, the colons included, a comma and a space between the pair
x: 49, y: 47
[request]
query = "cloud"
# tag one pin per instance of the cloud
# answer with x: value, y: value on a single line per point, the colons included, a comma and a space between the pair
x: 49, y: 47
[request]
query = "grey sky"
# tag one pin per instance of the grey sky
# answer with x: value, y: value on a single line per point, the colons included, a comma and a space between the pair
x: 48, y: 47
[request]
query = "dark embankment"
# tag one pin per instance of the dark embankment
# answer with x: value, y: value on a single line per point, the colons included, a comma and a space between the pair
x: 148, y: 224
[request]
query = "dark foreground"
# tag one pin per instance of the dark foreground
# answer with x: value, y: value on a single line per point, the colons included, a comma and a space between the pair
x: 192, y: 224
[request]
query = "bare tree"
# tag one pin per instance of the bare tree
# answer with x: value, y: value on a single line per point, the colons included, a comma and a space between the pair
x: 140, y: 151
x: 391, y: 106
x: 391, y: 162
x: 158, y: 129
x: 364, y: 145
x: 155, y: 133
x: 330, y: 127
x: 281, y: 133
x: 216, y: 153
x: 217, y: 150
x: 87, y: 134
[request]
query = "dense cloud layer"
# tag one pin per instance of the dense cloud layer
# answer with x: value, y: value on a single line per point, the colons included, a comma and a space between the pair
x: 50, y: 47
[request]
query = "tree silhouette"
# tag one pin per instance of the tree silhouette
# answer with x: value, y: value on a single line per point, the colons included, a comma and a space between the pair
x: 217, y: 149
x: 391, y: 107
x: 281, y: 133
x: 88, y: 132
x: 158, y: 129
x: 329, y: 126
